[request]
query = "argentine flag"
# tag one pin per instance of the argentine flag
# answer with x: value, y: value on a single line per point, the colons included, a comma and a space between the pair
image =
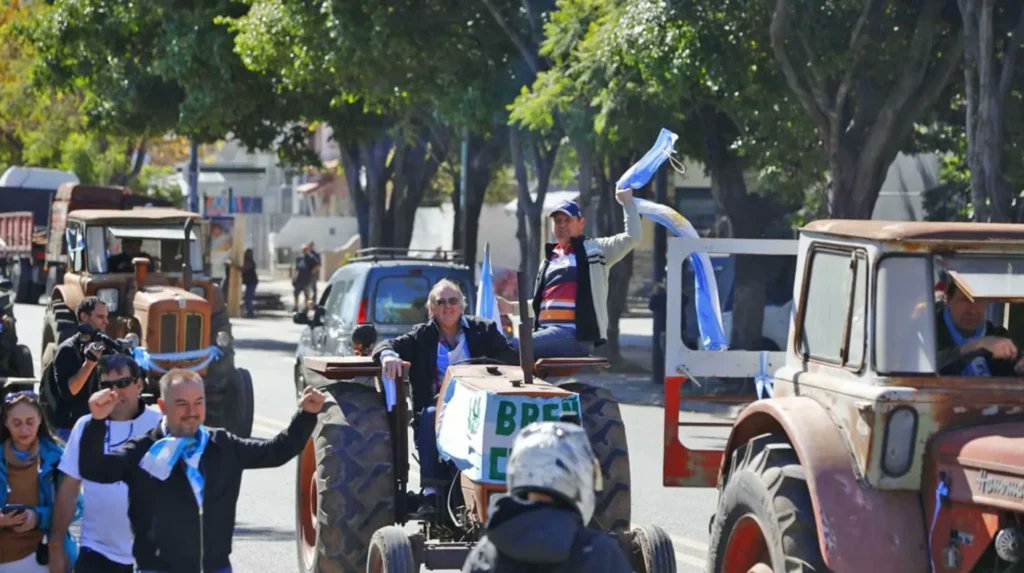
x: 486, y: 303
x: 709, y: 311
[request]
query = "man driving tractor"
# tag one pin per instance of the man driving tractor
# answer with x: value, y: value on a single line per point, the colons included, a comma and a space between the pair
x: 571, y: 296
x: 122, y: 262
x: 449, y: 337
x: 968, y: 343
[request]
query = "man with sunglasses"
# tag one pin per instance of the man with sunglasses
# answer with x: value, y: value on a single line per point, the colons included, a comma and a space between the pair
x: 449, y: 337
x: 106, y: 543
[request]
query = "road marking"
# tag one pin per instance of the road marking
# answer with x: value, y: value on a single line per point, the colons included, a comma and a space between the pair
x: 684, y: 558
x: 691, y: 543
x: 269, y: 423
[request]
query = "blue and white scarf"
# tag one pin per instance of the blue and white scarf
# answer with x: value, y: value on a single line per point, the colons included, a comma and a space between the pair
x: 165, y: 453
x: 978, y: 366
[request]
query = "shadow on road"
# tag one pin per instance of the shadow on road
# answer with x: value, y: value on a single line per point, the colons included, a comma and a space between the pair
x: 265, y: 344
x: 264, y: 533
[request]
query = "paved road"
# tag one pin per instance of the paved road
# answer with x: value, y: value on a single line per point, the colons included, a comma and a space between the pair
x: 265, y: 532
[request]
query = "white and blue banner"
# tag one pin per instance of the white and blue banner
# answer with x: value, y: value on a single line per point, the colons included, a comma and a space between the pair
x: 486, y: 303
x: 477, y: 427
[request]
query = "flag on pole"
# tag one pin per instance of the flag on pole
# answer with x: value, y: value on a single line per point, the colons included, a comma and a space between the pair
x: 486, y: 303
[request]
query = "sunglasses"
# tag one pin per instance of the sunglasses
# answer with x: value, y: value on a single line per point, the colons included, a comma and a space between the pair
x: 118, y: 383
x: 450, y: 301
x: 18, y: 396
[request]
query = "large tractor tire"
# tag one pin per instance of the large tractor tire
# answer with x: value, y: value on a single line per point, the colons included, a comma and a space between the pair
x: 61, y: 321
x: 602, y: 420
x: 244, y: 406
x: 346, y: 482
x: 765, y: 520
x: 391, y: 552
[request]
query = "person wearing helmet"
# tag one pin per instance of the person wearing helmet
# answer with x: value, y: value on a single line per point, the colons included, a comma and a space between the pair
x: 539, y: 525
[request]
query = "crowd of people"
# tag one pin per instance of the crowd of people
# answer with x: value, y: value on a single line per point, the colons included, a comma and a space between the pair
x: 156, y: 489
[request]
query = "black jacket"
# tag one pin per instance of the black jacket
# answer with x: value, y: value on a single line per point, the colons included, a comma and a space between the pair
x: 419, y: 346
x: 531, y: 537
x: 67, y: 407
x: 164, y: 515
x: 586, y: 317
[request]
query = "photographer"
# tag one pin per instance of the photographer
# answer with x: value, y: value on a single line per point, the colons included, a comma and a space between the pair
x: 74, y: 368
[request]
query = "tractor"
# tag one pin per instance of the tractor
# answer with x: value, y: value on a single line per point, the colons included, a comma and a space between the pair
x: 165, y: 301
x: 352, y: 500
x: 865, y: 448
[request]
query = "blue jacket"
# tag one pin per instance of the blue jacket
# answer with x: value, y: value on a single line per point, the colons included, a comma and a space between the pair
x: 49, y: 481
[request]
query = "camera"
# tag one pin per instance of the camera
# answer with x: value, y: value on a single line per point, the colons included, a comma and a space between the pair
x: 89, y: 334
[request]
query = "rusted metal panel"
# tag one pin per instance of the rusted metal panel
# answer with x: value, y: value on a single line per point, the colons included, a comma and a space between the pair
x: 683, y: 467
x: 860, y: 528
x: 16, y: 232
x: 917, y: 230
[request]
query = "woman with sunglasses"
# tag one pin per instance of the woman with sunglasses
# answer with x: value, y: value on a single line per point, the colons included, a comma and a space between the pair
x: 28, y: 483
x: 449, y: 337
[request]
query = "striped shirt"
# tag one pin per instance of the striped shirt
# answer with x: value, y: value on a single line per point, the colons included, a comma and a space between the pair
x: 558, y: 299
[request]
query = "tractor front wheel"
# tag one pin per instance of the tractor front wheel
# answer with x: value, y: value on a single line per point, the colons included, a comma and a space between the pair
x: 391, y: 552
x: 765, y: 520
x: 346, y: 482
x: 652, y: 550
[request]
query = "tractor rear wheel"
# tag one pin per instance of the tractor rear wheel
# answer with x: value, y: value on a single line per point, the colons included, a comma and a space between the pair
x: 242, y: 412
x: 391, y: 552
x: 602, y: 421
x: 765, y: 520
x: 346, y: 482
x: 652, y: 550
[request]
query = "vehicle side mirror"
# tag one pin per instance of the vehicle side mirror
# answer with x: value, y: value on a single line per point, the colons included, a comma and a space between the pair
x: 300, y: 317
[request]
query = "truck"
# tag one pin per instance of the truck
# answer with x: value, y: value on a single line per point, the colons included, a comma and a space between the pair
x: 863, y: 448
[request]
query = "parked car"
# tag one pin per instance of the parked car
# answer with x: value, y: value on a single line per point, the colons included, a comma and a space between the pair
x: 384, y: 287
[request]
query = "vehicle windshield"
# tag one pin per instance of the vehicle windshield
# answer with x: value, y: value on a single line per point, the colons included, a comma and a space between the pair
x: 112, y: 247
x: 932, y: 311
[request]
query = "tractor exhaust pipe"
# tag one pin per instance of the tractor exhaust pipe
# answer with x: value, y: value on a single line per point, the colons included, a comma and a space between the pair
x: 525, y: 332
x: 186, y: 266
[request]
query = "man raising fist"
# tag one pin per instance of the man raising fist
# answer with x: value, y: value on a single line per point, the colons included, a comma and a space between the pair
x: 183, y: 514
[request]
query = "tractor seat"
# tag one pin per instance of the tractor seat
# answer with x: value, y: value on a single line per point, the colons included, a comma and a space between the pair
x: 556, y: 367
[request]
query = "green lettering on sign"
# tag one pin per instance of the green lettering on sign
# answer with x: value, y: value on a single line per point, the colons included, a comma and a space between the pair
x: 496, y: 455
x: 506, y: 423
x: 552, y: 412
x: 571, y: 406
x: 531, y: 413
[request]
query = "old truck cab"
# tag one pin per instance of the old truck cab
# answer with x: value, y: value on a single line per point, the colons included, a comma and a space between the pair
x: 892, y: 438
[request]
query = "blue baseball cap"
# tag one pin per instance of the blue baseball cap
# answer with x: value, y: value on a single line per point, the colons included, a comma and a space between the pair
x: 570, y: 208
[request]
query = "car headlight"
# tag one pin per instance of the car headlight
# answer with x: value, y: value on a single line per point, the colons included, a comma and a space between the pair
x: 109, y: 296
x: 900, y: 436
x: 223, y: 339
x: 198, y: 291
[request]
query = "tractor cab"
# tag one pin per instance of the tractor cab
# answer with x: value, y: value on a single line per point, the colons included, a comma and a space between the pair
x: 886, y: 435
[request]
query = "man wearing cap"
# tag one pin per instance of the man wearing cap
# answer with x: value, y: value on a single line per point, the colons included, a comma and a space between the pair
x: 571, y: 294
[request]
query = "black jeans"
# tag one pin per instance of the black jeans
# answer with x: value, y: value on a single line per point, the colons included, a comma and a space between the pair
x: 90, y: 561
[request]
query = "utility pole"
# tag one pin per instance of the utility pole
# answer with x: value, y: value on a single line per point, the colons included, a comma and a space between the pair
x: 661, y: 183
x: 464, y: 203
x: 193, y: 178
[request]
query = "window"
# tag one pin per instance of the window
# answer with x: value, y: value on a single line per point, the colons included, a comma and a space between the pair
x: 905, y: 316
x: 97, y: 249
x: 401, y: 300
x: 835, y: 308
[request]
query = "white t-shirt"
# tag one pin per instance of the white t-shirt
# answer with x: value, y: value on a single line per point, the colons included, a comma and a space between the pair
x: 105, y: 526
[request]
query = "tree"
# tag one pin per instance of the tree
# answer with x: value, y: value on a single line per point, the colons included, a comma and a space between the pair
x: 990, y: 64
x: 864, y: 72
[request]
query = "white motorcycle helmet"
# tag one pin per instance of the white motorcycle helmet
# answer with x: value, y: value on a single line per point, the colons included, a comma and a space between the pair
x: 555, y: 458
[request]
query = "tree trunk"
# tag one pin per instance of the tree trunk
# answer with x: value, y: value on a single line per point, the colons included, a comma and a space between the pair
x: 749, y: 216
x: 484, y: 157
x: 415, y: 168
x: 352, y: 167
x: 373, y: 156
x: 530, y: 210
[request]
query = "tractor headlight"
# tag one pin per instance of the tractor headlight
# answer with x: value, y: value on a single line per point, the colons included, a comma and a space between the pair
x: 900, y: 436
x: 198, y: 291
x: 109, y: 296
x: 223, y: 339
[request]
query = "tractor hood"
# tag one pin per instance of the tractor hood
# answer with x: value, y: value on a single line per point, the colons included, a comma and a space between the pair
x: 984, y: 464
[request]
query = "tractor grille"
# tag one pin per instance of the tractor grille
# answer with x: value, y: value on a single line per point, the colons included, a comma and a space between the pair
x: 193, y: 331
x: 168, y: 333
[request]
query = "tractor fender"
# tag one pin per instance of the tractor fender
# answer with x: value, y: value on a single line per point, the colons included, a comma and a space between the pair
x: 860, y: 528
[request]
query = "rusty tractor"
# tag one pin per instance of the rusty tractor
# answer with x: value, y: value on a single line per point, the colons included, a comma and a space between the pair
x: 165, y: 298
x: 865, y: 452
x: 352, y: 479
